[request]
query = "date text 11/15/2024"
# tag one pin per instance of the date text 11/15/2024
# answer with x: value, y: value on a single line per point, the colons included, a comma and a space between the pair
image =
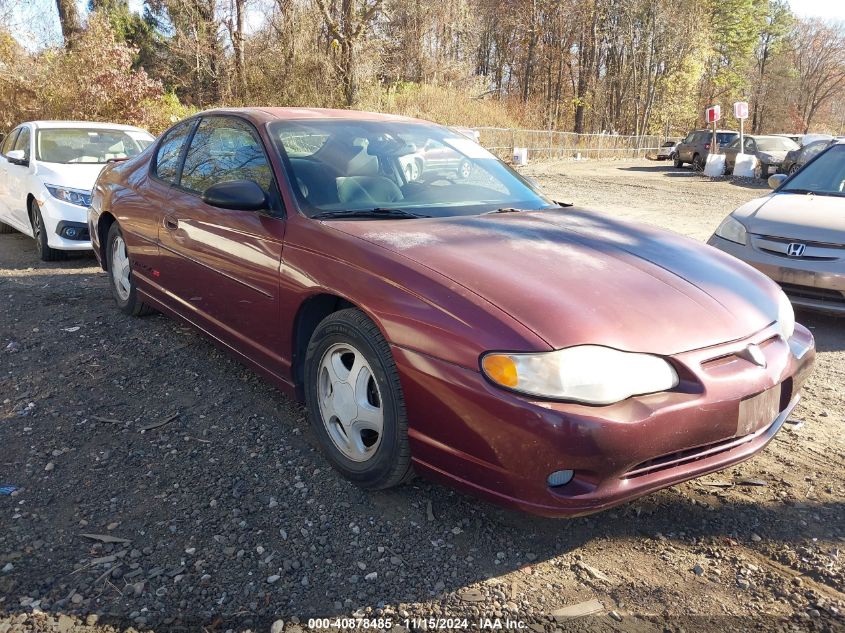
x: 428, y: 624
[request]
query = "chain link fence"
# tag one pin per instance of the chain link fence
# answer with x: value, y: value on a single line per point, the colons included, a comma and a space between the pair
x: 550, y: 144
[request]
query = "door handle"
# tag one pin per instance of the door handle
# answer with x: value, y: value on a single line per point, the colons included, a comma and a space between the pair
x: 170, y: 222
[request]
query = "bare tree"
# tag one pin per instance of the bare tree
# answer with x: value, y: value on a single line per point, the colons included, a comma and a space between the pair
x: 347, y: 25
x: 69, y: 19
x: 820, y: 61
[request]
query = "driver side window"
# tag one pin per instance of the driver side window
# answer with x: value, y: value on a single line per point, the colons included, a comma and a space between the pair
x: 224, y: 149
x: 9, y: 141
x: 22, y: 142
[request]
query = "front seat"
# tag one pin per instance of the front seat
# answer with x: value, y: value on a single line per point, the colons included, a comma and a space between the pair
x: 363, y: 183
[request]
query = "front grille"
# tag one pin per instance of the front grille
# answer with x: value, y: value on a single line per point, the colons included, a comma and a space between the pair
x: 813, y: 251
x: 688, y: 456
x: 824, y: 295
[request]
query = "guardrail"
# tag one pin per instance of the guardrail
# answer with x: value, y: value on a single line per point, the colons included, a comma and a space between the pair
x: 551, y: 144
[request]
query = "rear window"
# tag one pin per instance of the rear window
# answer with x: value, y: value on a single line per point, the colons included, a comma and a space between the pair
x: 723, y: 138
x: 776, y: 144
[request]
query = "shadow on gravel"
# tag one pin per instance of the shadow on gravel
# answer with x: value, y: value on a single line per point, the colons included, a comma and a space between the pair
x: 829, y: 330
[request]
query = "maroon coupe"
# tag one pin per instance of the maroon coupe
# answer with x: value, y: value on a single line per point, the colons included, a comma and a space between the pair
x: 463, y: 327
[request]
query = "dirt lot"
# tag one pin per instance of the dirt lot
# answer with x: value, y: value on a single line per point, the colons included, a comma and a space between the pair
x: 226, y: 517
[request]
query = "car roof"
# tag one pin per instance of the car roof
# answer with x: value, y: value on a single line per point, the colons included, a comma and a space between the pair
x: 283, y: 114
x: 717, y: 131
x: 94, y: 125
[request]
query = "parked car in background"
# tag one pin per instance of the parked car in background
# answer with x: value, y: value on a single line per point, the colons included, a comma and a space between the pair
x: 474, y: 331
x: 795, y: 159
x: 770, y: 152
x: 667, y: 150
x: 792, y: 137
x: 695, y: 148
x: 435, y: 158
x: 47, y: 170
x: 796, y: 234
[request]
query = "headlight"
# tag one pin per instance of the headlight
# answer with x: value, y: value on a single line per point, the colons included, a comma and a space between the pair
x: 786, y: 317
x: 588, y: 373
x: 732, y: 230
x: 79, y: 197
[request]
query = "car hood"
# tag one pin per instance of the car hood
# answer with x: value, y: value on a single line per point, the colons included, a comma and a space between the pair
x: 778, y: 156
x: 576, y: 277
x: 807, y: 218
x: 76, y: 175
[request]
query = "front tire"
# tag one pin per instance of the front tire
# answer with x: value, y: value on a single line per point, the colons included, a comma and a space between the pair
x: 355, y: 402
x: 120, y: 275
x: 39, y: 232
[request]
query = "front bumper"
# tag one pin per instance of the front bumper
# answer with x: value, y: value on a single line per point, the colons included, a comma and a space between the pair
x: 811, y: 284
x: 58, y: 217
x: 501, y: 446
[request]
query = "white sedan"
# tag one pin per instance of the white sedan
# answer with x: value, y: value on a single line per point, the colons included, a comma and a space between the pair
x: 47, y: 172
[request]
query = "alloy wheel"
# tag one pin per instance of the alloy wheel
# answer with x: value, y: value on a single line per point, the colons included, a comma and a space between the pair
x: 36, y: 230
x: 350, y: 402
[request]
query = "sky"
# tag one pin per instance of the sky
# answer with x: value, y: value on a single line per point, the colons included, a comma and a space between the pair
x: 830, y: 9
x: 30, y: 28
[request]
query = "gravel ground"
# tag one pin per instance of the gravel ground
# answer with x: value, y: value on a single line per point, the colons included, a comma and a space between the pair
x: 160, y: 485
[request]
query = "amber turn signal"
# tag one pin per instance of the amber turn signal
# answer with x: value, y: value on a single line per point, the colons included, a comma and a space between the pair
x: 500, y: 369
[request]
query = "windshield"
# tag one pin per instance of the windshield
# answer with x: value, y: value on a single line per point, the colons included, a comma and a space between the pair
x: 824, y: 176
x: 775, y: 144
x: 344, y: 165
x: 88, y: 145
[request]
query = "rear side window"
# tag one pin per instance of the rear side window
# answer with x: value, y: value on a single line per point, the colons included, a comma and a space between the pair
x: 170, y: 151
x: 22, y: 142
x: 223, y: 149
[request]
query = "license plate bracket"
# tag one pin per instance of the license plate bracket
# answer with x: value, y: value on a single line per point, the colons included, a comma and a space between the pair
x: 758, y: 411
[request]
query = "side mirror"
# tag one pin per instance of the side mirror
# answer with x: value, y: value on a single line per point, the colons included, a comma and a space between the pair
x: 776, y: 180
x: 238, y: 195
x: 17, y: 156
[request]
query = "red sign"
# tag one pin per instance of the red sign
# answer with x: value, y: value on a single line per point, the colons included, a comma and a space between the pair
x: 714, y: 113
x: 741, y: 110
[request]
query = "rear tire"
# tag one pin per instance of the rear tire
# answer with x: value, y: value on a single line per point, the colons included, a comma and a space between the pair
x: 793, y: 168
x: 39, y: 232
x: 760, y: 170
x: 697, y: 163
x: 355, y: 402
x: 121, y: 279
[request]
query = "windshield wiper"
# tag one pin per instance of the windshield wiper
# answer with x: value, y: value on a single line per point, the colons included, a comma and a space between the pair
x: 378, y: 212
x: 837, y: 194
x: 799, y: 191
x: 504, y: 210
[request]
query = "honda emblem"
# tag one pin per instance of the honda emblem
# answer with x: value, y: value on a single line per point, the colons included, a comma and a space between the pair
x: 796, y: 249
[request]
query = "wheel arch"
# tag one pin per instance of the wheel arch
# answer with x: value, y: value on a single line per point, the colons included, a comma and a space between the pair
x: 104, y: 223
x: 309, y: 315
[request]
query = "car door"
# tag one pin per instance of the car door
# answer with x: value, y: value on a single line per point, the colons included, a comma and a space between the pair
x: 685, y: 148
x: 5, y: 148
x: 221, y: 266
x: 730, y: 154
x: 749, y: 147
x: 17, y: 181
